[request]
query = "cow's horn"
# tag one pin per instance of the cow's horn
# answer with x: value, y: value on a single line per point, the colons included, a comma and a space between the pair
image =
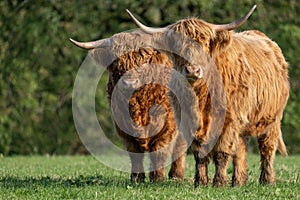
x: 234, y: 24
x: 144, y: 28
x: 91, y: 45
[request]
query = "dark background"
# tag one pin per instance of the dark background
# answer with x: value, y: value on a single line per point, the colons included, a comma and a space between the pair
x: 38, y: 64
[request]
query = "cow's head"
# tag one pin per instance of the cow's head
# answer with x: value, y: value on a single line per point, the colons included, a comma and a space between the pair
x: 213, y: 39
x: 124, y: 55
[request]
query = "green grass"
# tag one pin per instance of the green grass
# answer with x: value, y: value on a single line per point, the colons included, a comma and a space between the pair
x: 84, y: 177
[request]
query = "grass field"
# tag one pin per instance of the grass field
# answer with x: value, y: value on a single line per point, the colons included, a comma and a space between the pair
x: 84, y: 177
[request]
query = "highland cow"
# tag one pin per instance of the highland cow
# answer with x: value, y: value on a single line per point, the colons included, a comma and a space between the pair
x: 154, y: 129
x: 255, y: 80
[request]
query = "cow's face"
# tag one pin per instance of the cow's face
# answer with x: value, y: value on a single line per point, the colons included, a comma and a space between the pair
x: 136, y: 69
x: 192, y: 61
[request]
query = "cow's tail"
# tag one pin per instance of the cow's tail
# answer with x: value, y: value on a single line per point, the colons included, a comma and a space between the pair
x: 281, y: 146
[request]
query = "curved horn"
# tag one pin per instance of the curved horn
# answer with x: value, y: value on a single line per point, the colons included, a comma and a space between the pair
x: 234, y: 24
x: 144, y: 28
x: 91, y: 45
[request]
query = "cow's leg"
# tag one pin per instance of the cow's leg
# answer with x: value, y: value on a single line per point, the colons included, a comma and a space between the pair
x: 136, y: 157
x: 178, y: 158
x: 201, y: 175
x: 157, y: 166
x: 221, y: 162
x: 240, y: 175
x: 223, y: 150
x: 201, y: 166
x: 137, y: 168
x: 159, y: 154
x: 267, y: 144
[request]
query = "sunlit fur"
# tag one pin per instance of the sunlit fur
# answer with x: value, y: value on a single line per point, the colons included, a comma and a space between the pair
x: 255, y: 78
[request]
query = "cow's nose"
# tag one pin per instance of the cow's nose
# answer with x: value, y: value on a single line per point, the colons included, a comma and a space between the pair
x: 130, y: 83
x: 194, y: 70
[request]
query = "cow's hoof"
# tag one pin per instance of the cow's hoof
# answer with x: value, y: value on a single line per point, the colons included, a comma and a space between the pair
x: 220, y: 181
x: 266, y: 178
x: 137, y: 177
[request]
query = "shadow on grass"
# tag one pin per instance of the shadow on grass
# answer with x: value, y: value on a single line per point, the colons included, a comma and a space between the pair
x: 80, y: 181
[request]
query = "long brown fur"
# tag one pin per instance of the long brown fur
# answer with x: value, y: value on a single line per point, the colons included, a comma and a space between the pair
x: 255, y: 77
x: 154, y: 128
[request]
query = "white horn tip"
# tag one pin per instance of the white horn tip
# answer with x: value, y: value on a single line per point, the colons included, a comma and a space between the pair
x: 72, y: 40
x: 253, y: 8
x: 133, y: 18
x: 129, y: 13
x: 144, y: 28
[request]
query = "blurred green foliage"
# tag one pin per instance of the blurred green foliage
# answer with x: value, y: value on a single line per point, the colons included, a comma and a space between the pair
x: 38, y: 64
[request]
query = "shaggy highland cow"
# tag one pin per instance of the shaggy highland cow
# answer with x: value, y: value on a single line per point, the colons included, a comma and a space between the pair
x: 255, y: 80
x: 153, y: 129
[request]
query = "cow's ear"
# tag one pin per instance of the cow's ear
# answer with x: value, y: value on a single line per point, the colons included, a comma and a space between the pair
x: 221, y: 41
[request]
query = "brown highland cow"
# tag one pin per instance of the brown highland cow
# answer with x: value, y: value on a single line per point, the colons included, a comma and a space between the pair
x: 255, y: 80
x: 154, y: 129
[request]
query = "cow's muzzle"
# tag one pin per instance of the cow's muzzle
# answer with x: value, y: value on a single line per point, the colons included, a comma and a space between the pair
x: 130, y: 83
x: 194, y: 71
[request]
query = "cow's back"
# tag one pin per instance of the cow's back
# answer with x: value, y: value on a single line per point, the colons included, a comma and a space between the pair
x: 255, y: 79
